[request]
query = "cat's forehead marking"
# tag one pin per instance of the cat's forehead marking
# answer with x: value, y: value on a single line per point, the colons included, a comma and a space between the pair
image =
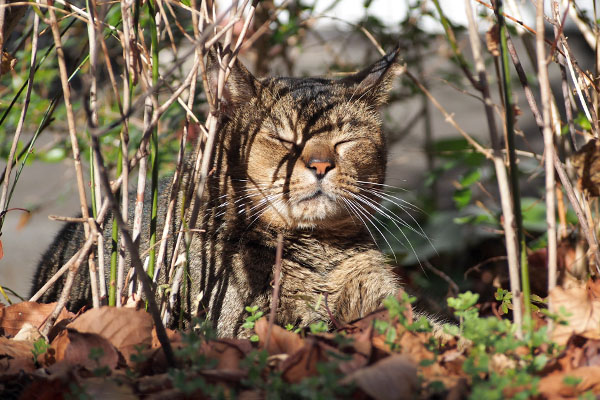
x: 302, y: 106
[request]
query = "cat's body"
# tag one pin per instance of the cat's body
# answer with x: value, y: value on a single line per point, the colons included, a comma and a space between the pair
x: 297, y: 156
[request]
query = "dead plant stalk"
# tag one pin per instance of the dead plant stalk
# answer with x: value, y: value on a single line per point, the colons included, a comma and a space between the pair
x: 53, y: 22
x: 93, y: 103
x: 510, y: 234
x: 545, y: 93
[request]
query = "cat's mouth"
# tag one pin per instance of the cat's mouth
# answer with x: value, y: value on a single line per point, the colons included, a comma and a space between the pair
x: 318, y: 194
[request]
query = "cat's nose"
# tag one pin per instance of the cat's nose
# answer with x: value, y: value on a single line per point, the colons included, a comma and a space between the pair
x: 320, y: 166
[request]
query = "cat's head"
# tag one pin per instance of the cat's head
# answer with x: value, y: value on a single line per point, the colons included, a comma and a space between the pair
x: 308, y: 150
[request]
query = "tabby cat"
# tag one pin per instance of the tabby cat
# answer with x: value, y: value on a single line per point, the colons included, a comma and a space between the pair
x: 298, y: 156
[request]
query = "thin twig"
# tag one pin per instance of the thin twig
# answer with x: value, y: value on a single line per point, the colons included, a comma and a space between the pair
x: 93, y: 104
x: 11, y: 157
x: 70, y: 115
x: 449, y: 118
x: 545, y: 93
x: 276, y: 285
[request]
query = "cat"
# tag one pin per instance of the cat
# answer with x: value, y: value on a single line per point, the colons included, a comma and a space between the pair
x: 305, y: 157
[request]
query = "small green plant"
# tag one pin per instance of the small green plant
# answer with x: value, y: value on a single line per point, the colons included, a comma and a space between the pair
x: 254, y: 316
x: 292, y: 328
x: 40, y: 347
x: 397, y: 312
x: 505, y: 297
x: 318, y: 327
x: 493, y: 343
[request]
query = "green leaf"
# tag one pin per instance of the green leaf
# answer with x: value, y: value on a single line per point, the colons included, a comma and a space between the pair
x: 464, y: 301
x: 462, y: 197
x: 450, y: 145
x: 470, y: 178
x: 582, y: 121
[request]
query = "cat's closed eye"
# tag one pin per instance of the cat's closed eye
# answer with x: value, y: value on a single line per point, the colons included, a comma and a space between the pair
x: 341, y: 145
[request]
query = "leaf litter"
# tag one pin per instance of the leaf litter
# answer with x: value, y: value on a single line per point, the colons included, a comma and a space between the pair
x: 113, y: 353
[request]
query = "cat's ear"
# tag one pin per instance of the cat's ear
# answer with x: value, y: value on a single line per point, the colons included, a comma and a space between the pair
x: 239, y: 88
x: 373, y: 83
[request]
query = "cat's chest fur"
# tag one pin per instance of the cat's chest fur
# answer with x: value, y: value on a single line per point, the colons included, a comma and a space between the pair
x: 234, y: 257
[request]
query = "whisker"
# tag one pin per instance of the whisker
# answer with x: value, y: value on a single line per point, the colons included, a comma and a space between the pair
x: 406, y: 205
x: 363, y: 211
x: 353, y: 212
x: 381, y: 209
x: 382, y: 185
x: 407, y: 241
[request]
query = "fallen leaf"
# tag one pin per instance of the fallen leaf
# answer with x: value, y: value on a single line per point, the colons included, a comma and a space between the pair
x: 303, y: 362
x: 125, y: 328
x: 174, y: 336
x: 393, y: 378
x: 227, y: 353
x: 281, y: 341
x: 77, y: 348
x: 553, y: 386
x: 361, y: 354
x: 584, y: 310
x: 15, y: 356
x: 591, y: 354
x: 12, y: 318
x: 28, y: 333
x: 102, y: 388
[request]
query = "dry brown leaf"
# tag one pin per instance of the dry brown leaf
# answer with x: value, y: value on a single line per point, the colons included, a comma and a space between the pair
x: 282, y: 341
x: 13, y: 317
x: 492, y: 39
x: 102, y: 388
x: 42, y: 389
x: 23, y: 220
x: 226, y: 352
x: 15, y: 356
x: 67, y: 383
x: 303, y: 362
x: 584, y: 310
x: 75, y: 348
x: 125, y: 328
x: 361, y: 355
x: 174, y: 336
x: 587, y: 164
x: 8, y: 63
x: 28, y: 333
x: 393, y: 378
x: 553, y: 386
x: 591, y: 354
